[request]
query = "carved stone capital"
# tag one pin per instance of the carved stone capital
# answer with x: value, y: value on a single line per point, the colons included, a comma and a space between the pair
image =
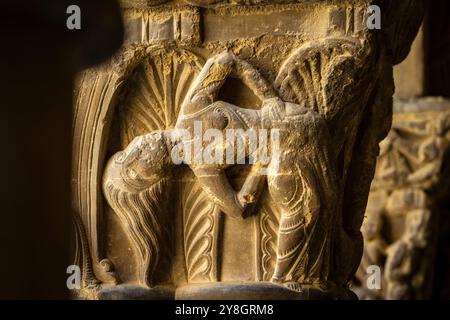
x: 309, y: 71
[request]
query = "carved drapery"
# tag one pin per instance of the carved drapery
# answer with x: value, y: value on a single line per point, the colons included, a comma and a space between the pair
x: 311, y: 70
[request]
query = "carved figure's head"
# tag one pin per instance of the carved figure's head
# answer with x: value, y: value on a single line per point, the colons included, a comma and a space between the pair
x: 144, y: 162
x: 372, y: 226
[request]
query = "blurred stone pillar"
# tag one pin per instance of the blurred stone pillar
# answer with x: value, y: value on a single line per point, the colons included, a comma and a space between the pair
x: 401, y: 228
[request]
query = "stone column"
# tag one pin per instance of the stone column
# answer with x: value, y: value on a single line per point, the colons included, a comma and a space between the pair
x: 314, y: 72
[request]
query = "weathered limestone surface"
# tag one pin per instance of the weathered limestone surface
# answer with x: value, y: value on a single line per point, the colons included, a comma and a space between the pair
x: 149, y: 228
x: 401, y: 228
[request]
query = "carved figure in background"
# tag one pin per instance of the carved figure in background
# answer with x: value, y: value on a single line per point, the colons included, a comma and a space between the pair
x: 409, y: 181
x: 374, y: 250
x: 403, y: 255
x: 376, y: 246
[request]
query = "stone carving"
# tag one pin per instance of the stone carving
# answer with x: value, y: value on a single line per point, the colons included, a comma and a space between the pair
x: 403, y: 262
x: 200, y: 240
x: 294, y: 184
x: 400, y: 226
x: 136, y: 185
x: 284, y: 228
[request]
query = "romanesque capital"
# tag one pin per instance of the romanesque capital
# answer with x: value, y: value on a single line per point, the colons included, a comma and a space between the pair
x: 227, y: 151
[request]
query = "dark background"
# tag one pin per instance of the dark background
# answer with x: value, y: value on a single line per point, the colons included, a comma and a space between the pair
x: 39, y: 57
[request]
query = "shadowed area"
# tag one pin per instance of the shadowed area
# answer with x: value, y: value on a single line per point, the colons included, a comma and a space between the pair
x: 38, y: 63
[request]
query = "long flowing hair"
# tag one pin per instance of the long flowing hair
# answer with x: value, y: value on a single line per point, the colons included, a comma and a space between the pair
x: 141, y: 214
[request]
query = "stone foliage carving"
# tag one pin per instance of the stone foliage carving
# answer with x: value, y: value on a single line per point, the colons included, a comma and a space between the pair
x: 288, y: 228
x: 400, y: 228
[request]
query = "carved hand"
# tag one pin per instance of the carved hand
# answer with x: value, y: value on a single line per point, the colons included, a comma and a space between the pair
x: 251, y: 190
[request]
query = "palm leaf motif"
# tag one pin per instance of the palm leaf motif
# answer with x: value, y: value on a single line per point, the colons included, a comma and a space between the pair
x: 327, y: 76
x: 157, y: 89
x: 198, y: 221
